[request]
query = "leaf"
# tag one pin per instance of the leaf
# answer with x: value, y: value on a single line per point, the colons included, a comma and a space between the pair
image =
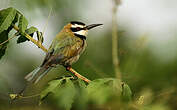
x: 16, y: 18
x: 29, y: 31
x: 3, y: 37
x: 63, y: 92
x: 100, y: 90
x: 4, y: 34
x: 64, y: 95
x: 52, y: 85
x: 6, y: 18
x: 23, y: 23
x: 68, y: 92
x: 40, y: 37
x: 126, y: 93
x: 81, y: 98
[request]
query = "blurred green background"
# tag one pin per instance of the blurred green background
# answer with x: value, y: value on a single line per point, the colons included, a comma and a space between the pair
x: 147, y: 48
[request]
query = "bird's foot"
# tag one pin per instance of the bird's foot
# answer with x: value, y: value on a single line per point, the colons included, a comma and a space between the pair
x: 68, y: 68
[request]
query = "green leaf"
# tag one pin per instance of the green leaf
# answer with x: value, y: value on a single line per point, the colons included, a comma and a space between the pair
x: 63, y: 92
x: 16, y: 18
x: 23, y: 24
x: 64, y: 95
x: 3, y: 37
x: 81, y: 98
x: 6, y: 18
x: 40, y: 36
x: 29, y: 31
x: 126, y: 93
x: 100, y: 90
x: 52, y: 86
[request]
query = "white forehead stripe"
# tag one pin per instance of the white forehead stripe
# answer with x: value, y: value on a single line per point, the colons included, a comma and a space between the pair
x: 76, y: 25
x: 81, y: 32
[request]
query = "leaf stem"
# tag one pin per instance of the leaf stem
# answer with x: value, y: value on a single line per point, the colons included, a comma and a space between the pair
x: 7, y: 40
x: 31, y: 96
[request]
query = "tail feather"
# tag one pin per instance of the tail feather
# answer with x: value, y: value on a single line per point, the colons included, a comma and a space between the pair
x: 31, y: 75
x: 37, y: 74
x: 42, y: 75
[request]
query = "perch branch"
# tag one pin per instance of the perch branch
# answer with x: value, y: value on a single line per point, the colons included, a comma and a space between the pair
x: 77, y: 74
x: 45, y: 50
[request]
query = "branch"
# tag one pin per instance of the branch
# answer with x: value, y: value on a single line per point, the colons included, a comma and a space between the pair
x: 32, y: 40
x: 77, y: 74
x: 39, y: 44
x: 115, y: 58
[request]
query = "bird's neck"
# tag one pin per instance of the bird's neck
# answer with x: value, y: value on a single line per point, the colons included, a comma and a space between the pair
x: 80, y: 36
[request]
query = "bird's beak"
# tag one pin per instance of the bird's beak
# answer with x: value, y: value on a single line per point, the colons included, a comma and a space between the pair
x: 92, y: 26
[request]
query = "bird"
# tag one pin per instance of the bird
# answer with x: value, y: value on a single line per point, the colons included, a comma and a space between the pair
x: 65, y: 49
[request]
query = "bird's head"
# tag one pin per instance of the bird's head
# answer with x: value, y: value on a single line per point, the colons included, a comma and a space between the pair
x: 79, y: 29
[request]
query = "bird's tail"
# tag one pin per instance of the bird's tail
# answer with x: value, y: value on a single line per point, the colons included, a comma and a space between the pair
x: 37, y: 74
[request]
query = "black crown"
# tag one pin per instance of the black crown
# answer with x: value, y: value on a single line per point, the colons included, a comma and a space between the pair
x: 77, y: 22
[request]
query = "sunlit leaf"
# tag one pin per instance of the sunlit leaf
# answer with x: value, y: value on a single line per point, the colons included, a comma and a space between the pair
x: 31, y: 30
x: 6, y: 18
x: 23, y: 23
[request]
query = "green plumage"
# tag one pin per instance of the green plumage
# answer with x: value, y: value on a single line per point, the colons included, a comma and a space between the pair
x: 64, y: 50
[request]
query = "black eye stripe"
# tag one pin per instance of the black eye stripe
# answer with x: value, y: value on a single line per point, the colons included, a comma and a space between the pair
x: 76, y: 29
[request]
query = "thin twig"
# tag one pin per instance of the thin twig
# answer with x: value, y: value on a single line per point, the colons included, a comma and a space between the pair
x: 31, y: 96
x: 115, y: 58
x: 45, y: 50
x: 46, y: 24
x: 7, y: 40
x: 77, y: 74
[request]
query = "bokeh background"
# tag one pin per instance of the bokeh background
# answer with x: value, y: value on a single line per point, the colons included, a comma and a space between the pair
x: 147, y: 47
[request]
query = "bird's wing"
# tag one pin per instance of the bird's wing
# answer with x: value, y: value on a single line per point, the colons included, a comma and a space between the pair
x: 62, y: 49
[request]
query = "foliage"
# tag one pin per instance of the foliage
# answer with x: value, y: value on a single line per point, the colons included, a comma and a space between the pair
x: 98, y: 91
x: 65, y: 89
x: 67, y: 92
x: 8, y: 18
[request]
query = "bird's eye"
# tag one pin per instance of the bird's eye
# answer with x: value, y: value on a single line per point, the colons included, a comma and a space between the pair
x: 78, y: 28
